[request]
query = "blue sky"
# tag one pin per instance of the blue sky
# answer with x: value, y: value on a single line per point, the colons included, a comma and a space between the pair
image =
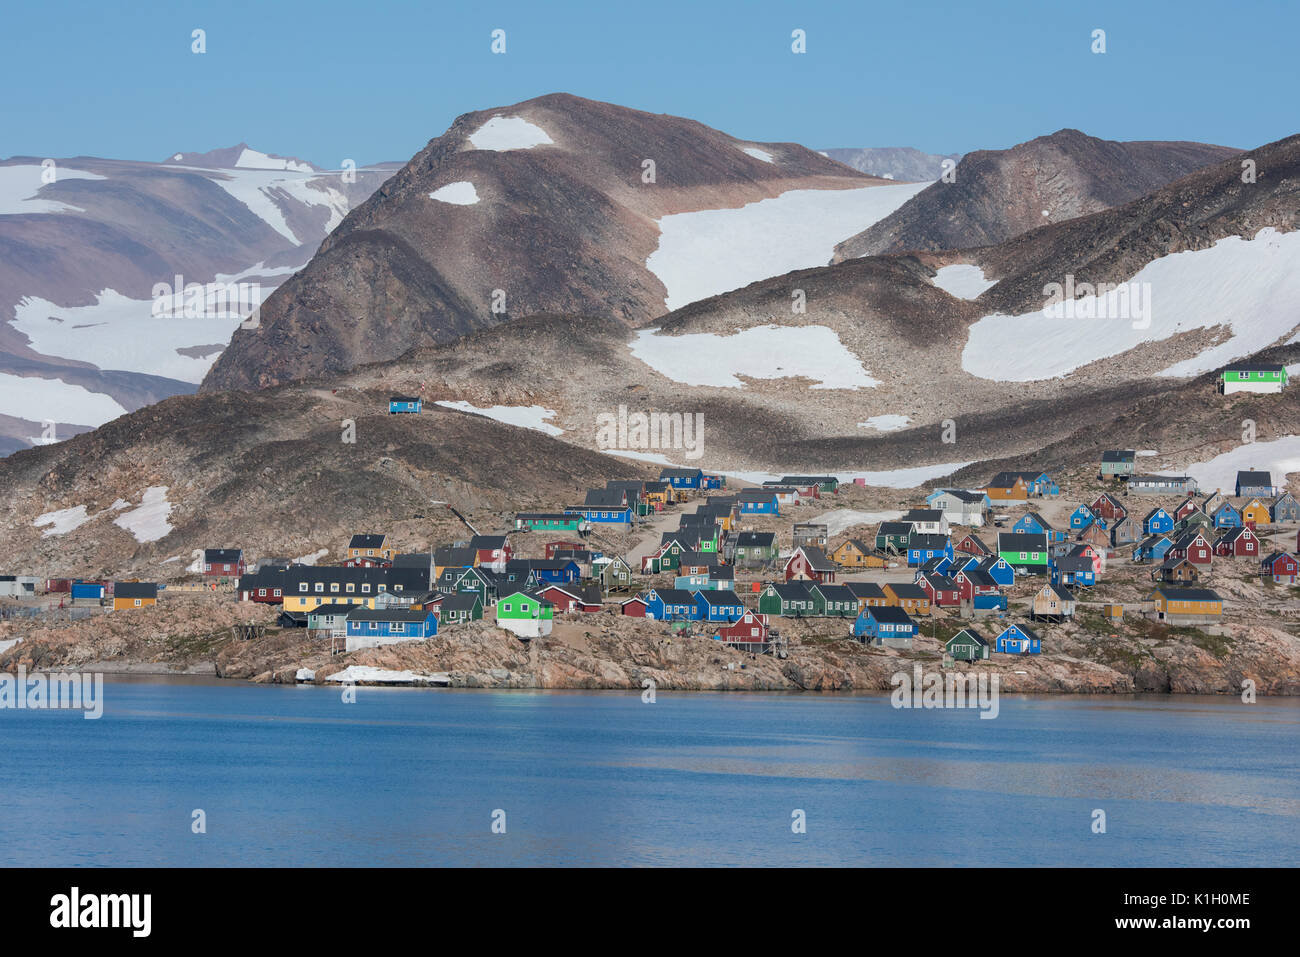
x: 328, y: 80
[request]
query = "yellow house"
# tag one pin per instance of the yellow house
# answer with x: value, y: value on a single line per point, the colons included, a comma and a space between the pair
x: 134, y: 594
x: 1003, y: 489
x: 658, y: 493
x: 308, y: 587
x: 910, y: 597
x: 1187, y: 605
x: 370, y: 546
x: 855, y: 553
x: 1255, y: 513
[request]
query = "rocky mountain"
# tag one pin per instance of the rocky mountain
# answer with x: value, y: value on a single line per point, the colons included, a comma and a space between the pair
x: 901, y: 163
x: 554, y: 205
x: 86, y: 242
x: 998, y: 194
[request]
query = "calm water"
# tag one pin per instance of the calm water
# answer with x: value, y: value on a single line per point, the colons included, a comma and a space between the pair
x: 293, y: 776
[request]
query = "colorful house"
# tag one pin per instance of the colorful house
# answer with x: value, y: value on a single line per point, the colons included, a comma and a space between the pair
x: 755, y: 548
x: 810, y: 564
x: 967, y: 645
x: 224, y: 562
x: 973, y: 545
x: 758, y: 502
x: 671, y: 604
x: 942, y: 591
x: 1023, y: 551
x: 458, y: 609
x: 1194, y: 547
x: 1074, y: 571
x: 885, y: 626
x: 1153, y: 548
x: 855, y: 553
x: 1186, y: 606
x: 1227, y: 516
x: 404, y: 404
x: 1251, y: 483
x: 1285, y: 508
x: 1255, y: 513
x: 549, y: 522
x: 1018, y: 640
x: 528, y: 616
x: 999, y: 569
x: 1281, y: 568
x: 892, y: 537
x: 867, y: 594
x: 922, y: 548
x: 834, y: 601
x: 682, y: 478
x: 1157, y: 522
x: 787, y: 600
x: 1238, y: 543
x: 369, y: 546
x: 605, y: 507
x: 1161, y: 484
x: 1116, y: 463
x: 372, y: 627
x: 570, y: 598
x: 1108, y: 507
x: 134, y: 594
x: 749, y: 632
x: 1252, y: 377
x: 718, y: 606
x: 908, y: 596
x: 1007, y: 487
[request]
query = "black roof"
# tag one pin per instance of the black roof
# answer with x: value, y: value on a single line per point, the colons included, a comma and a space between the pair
x: 223, y: 556
x: 1189, y: 594
x: 1253, y: 367
x: 889, y: 614
x: 909, y: 590
x: 461, y: 601
x: 1119, y: 455
x: 1255, y: 479
x: 135, y: 589
x: 763, y: 539
x: 366, y: 541
x: 403, y: 398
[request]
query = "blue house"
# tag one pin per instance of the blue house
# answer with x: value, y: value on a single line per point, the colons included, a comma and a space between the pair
x: 1018, y: 640
x: 922, y: 548
x: 555, y: 571
x: 884, y: 625
x: 391, y: 623
x: 404, y: 403
x: 1157, y: 522
x: 672, y: 604
x: 1081, y: 518
x: 1152, y: 549
x: 1043, y: 484
x: 682, y: 478
x: 1073, y: 571
x: 989, y: 603
x: 999, y: 570
x: 758, y: 502
x: 1227, y: 516
x: 91, y: 590
x: 605, y: 506
x: 1034, y: 524
x: 724, y: 606
x: 715, y: 481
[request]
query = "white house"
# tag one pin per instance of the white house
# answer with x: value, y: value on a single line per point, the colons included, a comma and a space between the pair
x: 960, y: 506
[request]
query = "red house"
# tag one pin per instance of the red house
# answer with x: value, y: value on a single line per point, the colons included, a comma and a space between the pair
x: 745, y: 632
x: 973, y: 545
x: 492, y: 551
x: 572, y: 598
x: 1281, y: 567
x: 1237, y: 543
x: 1108, y: 507
x: 974, y: 582
x: 1185, y: 508
x: 562, y: 546
x: 941, y: 589
x: 366, y: 561
x: 1194, y: 547
x: 810, y: 564
x: 634, y: 606
x: 224, y: 562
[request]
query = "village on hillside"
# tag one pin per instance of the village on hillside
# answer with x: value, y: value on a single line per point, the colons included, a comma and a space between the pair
x: 986, y: 571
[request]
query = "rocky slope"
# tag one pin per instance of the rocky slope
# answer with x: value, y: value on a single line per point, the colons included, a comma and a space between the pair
x: 998, y: 194
x: 547, y: 211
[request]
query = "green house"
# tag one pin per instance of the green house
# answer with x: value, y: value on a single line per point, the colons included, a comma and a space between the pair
x: 789, y: 600
x: 455, y: 609
x: 834, y: 601
x: 1252, y: 377
x: 893, y: 536
x: 967, y: 645
x: 1023, y: 550
x: 548, y: 522
x: 614, y: 575
x: 1117, y: 462
x: 528, y: 616
x: 755, y: 548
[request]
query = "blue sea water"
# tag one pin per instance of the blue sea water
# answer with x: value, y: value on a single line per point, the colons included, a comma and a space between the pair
x: 295, y: 776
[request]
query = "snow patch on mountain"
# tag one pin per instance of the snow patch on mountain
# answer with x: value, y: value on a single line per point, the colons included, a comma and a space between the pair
x: 885, y: 423
x: 1249, y: 286
x: 525, y: 416
x: 458, y: 194
x: 148, y: 521
x: 763, y: 352
x: 254, y: 159
x: 21, y: 185
x: 963, y: 281
x: 53, y: 400
x: 712, y: 251
x: 63, y: 520
x: 1281, y: 457
x: 758, y: 154
x: 509, y: 133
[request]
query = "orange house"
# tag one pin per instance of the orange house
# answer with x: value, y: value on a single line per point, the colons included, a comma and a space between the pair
x: 910, y: 597
x: 134, y: 594
x: 1003, y: 489
x: 370, y: 546
x: 855, y: 554
x: 1255, y: 513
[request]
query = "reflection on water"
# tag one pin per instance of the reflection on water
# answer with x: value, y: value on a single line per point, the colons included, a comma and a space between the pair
x: 294, y: 776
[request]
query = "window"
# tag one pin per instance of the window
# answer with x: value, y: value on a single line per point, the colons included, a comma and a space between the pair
x: 334, y: 587
x: 506, y: 606
x: 302, y: 586
x: 320, y: 586
x: 137, y: 603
